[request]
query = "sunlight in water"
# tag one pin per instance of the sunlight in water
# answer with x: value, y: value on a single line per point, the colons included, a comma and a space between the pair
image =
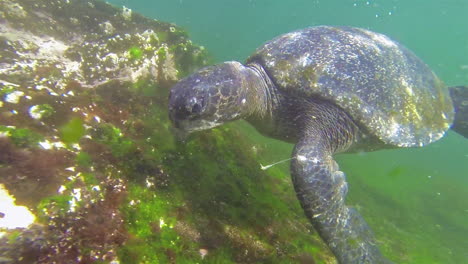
x: 11, y: 215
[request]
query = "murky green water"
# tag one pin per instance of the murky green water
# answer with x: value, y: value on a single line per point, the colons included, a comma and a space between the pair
x: 416, y: 200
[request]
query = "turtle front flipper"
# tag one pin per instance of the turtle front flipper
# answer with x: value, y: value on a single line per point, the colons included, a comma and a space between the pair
x: 459, y: 96
x: 321, y: 188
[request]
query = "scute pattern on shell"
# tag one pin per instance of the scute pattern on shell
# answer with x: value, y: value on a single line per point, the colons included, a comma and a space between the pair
x: 380, y: 83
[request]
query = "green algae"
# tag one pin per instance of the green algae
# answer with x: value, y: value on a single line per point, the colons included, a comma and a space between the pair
x: 162, y: 53
x: 145, y: 88
x: 13, y: 236
x: 6, y: 89
x: 43, y: 111
x: 72, y: 131
x: 135, y: 53
x: 57, y: 205
x: 154, y: 239
x: 83, y: 159
x: 22, y: 137
x: 225, y: 192
x: 112, y: 136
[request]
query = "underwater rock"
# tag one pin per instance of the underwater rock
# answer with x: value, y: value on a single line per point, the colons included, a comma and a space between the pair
x: 58, y: 58
x: 87, y: 146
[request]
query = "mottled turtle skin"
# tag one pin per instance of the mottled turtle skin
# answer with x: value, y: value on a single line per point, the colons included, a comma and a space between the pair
x: 328, y: 90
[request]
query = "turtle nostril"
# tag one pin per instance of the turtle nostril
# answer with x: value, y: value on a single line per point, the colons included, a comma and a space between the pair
x: 196, y: 108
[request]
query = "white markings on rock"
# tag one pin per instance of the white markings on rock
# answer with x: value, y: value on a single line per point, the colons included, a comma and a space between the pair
x: 8, y: 83
x: 14, y: 97
x: 126, y: 13
x: 14, y: 9
x: 35, y: 112
x: 49, y: 145
x: 107, y: 27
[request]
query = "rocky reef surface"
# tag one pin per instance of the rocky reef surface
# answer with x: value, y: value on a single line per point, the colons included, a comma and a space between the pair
x: 86, y: 146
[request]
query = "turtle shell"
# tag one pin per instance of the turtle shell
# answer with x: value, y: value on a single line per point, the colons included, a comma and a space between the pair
x: 380, y: 83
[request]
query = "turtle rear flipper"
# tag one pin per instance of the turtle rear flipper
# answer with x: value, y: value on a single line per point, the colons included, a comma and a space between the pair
x: 321, y: 187
x: 459, y: 96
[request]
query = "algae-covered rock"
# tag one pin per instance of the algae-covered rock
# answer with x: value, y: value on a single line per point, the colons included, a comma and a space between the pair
x: 87, y: 146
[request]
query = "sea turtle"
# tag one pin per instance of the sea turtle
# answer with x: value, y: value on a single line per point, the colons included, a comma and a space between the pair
x: 328, y: 90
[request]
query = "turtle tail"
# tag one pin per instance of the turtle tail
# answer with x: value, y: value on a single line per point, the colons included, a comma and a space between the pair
x: 459, y: 96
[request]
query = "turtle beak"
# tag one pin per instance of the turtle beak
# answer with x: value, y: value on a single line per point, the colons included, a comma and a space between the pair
x: 180, y: 134
x: 172, y: 117
x: 177, y: 129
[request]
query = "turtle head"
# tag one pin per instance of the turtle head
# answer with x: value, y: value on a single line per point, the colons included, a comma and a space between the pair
x: 210, y: 97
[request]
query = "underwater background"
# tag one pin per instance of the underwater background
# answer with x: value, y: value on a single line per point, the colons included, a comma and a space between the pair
x: 117, y: 187
x: 417, y: 198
